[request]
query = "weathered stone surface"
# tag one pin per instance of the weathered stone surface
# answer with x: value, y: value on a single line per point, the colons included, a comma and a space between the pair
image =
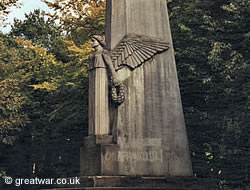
x: 93, y: 157
x: 149, y: 126
x: 98, y: 97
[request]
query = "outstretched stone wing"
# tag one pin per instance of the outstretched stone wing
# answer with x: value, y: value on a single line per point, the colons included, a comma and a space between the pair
x: 134, y: 50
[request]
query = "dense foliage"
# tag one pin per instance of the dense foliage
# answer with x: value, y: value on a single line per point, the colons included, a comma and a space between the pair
x: 5, y: 9
x: 44, y: 87
x: 210, y: 39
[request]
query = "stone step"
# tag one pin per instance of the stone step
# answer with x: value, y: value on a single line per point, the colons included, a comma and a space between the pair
x: 137, y: 183
x: 128, y: 188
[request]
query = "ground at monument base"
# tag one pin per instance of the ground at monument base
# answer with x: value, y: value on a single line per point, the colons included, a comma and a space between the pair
x: 126, y: 188
x: 139, y: 183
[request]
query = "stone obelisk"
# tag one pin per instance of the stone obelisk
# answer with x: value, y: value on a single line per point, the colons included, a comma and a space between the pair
x: 148, y: 129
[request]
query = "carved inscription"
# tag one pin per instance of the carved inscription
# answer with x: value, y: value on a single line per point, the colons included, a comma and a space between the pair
x: 150, y: 156
x: 134, y: 156
x: 151, y: 151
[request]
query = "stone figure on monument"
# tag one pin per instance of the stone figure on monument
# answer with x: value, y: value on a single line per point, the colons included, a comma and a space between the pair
x: 131, y: 52
x: 101, y: 75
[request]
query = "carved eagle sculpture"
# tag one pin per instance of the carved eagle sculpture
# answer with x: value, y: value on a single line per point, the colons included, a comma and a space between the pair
x: 134, y: 50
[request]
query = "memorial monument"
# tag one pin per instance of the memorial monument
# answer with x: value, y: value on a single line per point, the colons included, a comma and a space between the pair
x: 136, y: 122
x: 137, y: 137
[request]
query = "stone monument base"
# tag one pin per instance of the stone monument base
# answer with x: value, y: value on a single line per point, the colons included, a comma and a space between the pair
x: 105, y: 155
x: 139, y: 183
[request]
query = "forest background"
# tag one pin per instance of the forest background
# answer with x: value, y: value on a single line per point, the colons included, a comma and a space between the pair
x: 44, y: 87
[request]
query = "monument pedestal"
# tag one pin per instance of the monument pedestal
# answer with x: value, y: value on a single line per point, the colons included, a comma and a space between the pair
x: 95, y: 156
x: 99, y: 170
x: 102, y: 155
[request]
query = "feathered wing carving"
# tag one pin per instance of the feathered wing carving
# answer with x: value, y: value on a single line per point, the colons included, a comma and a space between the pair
x: 134, y: 50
